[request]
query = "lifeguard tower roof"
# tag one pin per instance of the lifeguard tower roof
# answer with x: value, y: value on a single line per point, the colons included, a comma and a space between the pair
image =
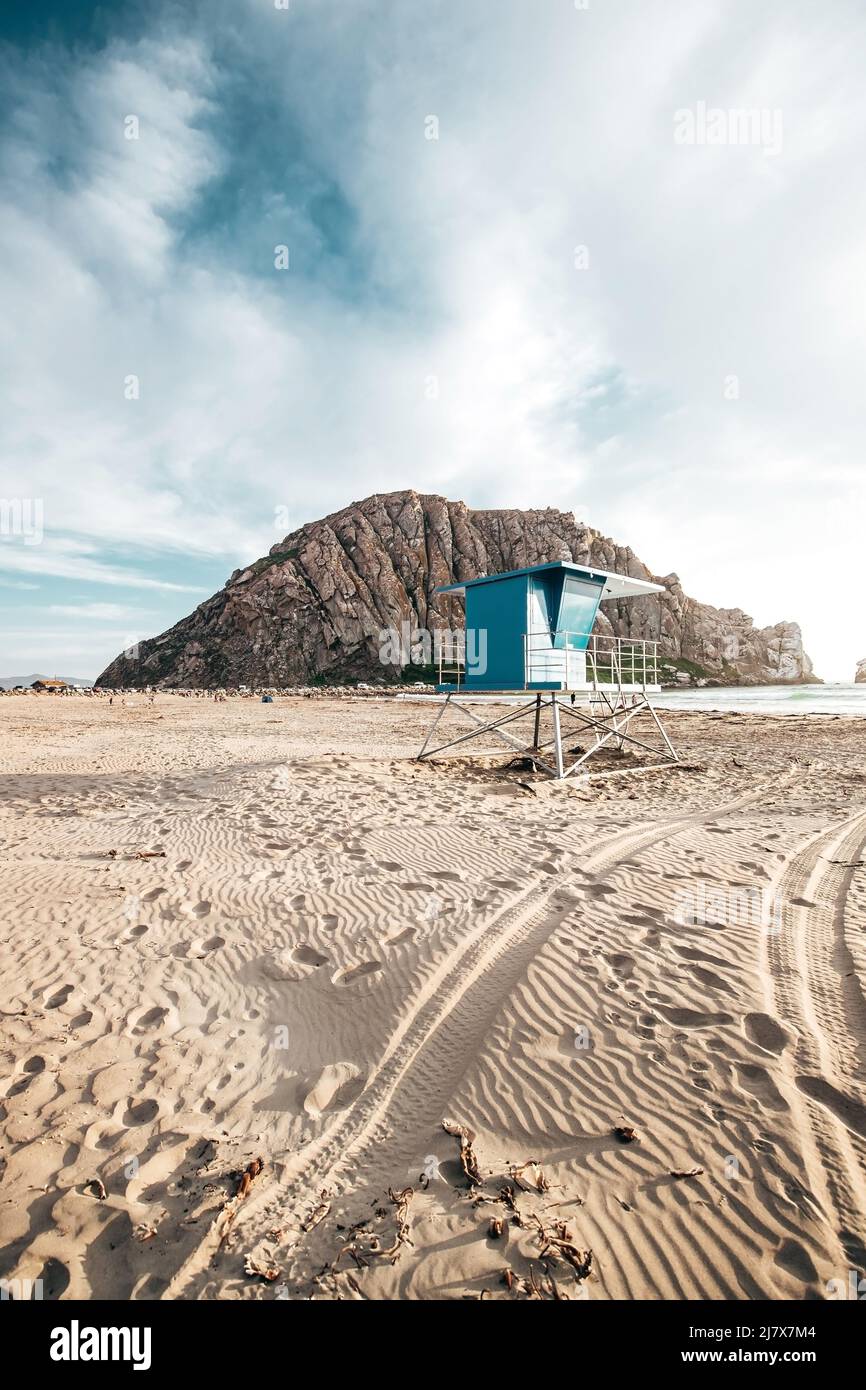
x: 615, y: 585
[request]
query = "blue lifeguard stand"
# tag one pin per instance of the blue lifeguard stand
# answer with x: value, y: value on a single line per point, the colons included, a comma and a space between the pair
x: 531, y: 630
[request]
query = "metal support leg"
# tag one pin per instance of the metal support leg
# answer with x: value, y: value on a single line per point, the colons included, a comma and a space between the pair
x: 661, y: 728
x: 492, y: 727
x: 537, y: 721
x: 614, y: 726
x: 557, y: 734
x: 432, y: 728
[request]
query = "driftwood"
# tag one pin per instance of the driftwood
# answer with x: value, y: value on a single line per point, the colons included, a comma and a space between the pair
x: 401, y: 1201
x: 226, y: 1217
x: 557, y: 1246
x: 319, y: 1212
x: 251, y: 1172
x: 364, y: 1244
x: 557, y: 1242
x: 256, y: 1269
x: 468, y: 1157
x: 532, y: 1287
x: 537, y: 1175
x: 509, y: 1197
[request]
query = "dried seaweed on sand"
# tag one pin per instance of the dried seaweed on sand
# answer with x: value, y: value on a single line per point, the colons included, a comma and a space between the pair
x: 468, y: 1157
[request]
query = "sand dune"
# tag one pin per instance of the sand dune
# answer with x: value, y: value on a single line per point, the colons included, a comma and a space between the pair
x: 234, y: 931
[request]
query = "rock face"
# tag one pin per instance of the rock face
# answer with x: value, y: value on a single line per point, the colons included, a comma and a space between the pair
x: 860, y: 673
x: 315, y: 606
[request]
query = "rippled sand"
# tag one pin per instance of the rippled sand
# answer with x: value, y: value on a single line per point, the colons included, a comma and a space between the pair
x: 239, y: 931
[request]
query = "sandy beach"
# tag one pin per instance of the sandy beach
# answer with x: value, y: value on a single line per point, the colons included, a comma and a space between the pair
x: 241, y: 931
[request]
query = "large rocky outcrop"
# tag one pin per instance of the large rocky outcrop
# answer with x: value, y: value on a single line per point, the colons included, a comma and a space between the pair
x: 860, y: 673
x: 315, y: 606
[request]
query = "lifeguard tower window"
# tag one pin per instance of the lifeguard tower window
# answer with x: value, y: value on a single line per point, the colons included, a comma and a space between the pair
x: 576, y: 613
x: 561, y: 613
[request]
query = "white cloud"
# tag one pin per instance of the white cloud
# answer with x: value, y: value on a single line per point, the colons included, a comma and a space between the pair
x: 100, y: 612
x: 64, y: 560
x: 459, y: 349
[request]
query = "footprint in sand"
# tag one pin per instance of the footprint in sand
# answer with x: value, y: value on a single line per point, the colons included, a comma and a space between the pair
x: 141, y: 1113
x: 691, y: 1018
x: 308, y: 955
x: 338, y: 1085
x: 149, y: 1021
x: 795, y: 1259
x: 850, y: 1112
x: 692, y: 953
x: 55, y: 1000
x: 766, y: 1032
x: 204, y: 948
x: 599, y: 890
x: 352, y: 974
x: 622, y: 964
x: 32, y: 1069
x: 398, y: 937
x: 758, y: 1082
x: 712, y: 980
x: 284, y: 967
x: 54, y: 1278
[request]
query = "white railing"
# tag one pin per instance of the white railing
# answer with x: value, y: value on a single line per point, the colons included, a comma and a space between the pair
x: 575, y: 661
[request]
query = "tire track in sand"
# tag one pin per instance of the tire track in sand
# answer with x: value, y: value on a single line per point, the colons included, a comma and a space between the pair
x: 813, y: 989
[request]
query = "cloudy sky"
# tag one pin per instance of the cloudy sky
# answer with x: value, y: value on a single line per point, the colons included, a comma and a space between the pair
x: 533, y: 260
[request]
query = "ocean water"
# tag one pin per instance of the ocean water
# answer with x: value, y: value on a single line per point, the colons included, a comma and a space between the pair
x: 842, y: 699
x: 848, y: 700
x: 771, y: 699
